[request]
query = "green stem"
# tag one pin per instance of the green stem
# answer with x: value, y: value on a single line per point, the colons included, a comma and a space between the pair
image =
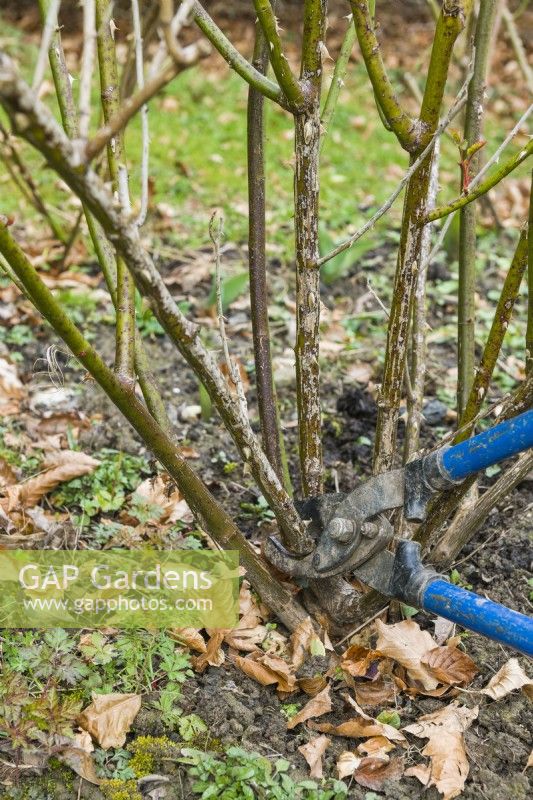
x: 216, y: 521
x: 109, y: 87
x: 34, y: 122
x: 287, y: 81
x: 500, y: 323
x: 230, y: 54
x: 451, y: 22
x: 529, y: 330
x: 306, y: 203
x: 266, y: 399
x: 398, y: 119
x: 483, y: 187
x: 337, y: 81
x: 466, y: 317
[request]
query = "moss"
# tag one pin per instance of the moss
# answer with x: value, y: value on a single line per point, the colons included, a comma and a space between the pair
x: 148, y: 751
x: 120, y: 790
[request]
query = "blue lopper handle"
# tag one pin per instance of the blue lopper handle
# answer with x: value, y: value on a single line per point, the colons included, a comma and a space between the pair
x: 479, y: 614
x: 487, y: 448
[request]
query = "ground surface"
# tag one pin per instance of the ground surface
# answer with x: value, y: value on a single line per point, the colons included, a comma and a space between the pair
x: 235, y: 709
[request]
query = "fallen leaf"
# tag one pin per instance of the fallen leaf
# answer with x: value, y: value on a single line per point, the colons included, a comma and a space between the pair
x: 373, y: 773
x: 7, y: 475
x: 162, y: 493
x: 11, y: 389
x: 268, y: 670
x: 359, y: 728
x: 300, y: 641
x: 321, y: 704
x: 191, y: 637
x: 213, y: 655
x: 529, y: 761
x: 449, y: 765
x: 407, y: 644
x: 357, y: 660
x: 347, y: 763
x: 510, y: 677
x: 444, y: 629
x: 450, y: 665
x: 375, y: 693
x: 59, y: 467
x: 109, y: 717
x: 313, y: 752
x: 79, y: 760
x: 375, y: 746
x: 312, y: 686
x: 386, y: 730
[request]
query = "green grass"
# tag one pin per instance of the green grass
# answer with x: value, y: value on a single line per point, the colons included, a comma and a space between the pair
x: 198, y: 158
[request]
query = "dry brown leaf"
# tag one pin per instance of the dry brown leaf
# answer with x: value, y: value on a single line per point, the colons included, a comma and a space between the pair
x: 358, y: 728
x: 321, y: 704
x: 213, y: 655
x: 59, y: 467
x: 109, y: 717
x: 313, y: 752
x: 449, y: 764
x: 510, y: 677
x: 347, y: 763
x: 11, y: 389
x: 450, y: 665
x: 373, y: 773
x: 407, y: 644
x: 376, y: 745
x: 7, y: 475
x: 246, y: 639
x: 163, y: 493
x: 375, y: 693
x: 312, y: 686
x: 79, y: 760
x: 300, y: 642
x: 191, y: 637
x: 386, y: 730
x: 529, y: 761
x: 267, y: 670
x: 358, y: 659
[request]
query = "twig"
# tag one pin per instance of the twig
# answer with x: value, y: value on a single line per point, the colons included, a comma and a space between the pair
x: 337, y: 81
x: 282, y: 70
x: 500, y: 323
x: 417, y: 367
x: 145, y: 135
x: 485, y: 186
x: 518, y: 45
x: 125, y: 308
x: 41, y: 130
x: 398, y: 119
x: 466, y: 310
x: 51, y: 10
x: 216, y: 227
x: 216, y: 520
x: 266, y: 399
x: 369, y: 224
x: 529, y: 329
x: 87, y: 65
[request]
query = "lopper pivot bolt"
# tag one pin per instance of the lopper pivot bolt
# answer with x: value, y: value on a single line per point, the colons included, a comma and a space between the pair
x: 352, y: 535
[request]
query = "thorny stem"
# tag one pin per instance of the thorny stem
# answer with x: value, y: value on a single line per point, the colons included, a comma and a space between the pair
x: 483, y: 187
x: 211, y: 515
x: 467, y: 235
x: 87, y: 64
x: 450, y: 24
x: 49, y: 12
x: 109, y: 88
x: 417, y: 366
x: 306, y: 203
x: 500, y: 323
x: 104, y: 253
x: 282, y: 70
x: 145, y: 134
x: 266, y: 400
x: 33, y: 121
x: 529, y: 330
x: 337, y: 81
x: 398, y: 119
